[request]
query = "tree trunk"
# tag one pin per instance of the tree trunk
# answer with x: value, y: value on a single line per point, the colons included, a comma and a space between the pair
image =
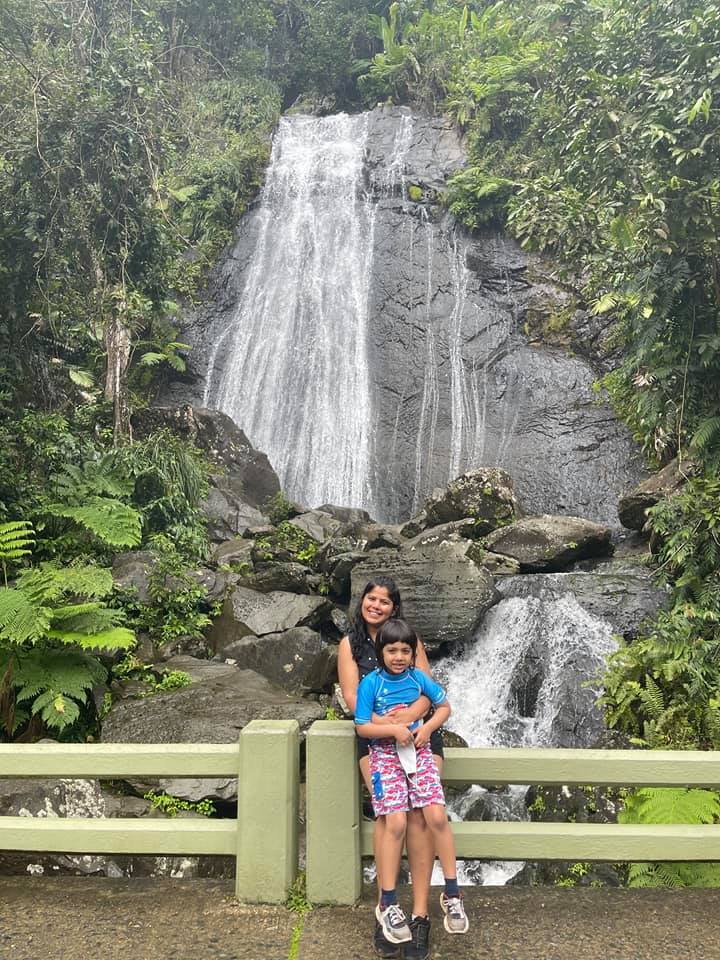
x: 117, y: 344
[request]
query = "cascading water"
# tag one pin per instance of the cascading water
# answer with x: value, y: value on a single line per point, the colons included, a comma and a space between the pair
x: 291, y: 367
x: 374, y: 352
x: 522, y: 682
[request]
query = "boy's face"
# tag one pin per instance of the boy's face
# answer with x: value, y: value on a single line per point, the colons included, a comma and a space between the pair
x: 397, y: 657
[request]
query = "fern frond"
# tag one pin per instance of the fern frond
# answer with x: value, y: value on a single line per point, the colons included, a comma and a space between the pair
x: 111, y: 521
x: 119, y: 638
x: 671, y: 805
x: 50, y: 582
x: 20, y: 618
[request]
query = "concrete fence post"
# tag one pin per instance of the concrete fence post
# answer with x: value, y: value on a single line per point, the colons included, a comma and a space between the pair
x: 267, y: 835
x: 332, y: 813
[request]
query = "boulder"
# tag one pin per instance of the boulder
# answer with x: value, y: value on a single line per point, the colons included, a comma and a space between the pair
x: 444, y: 593
x: 633, y: 507
x: 373, y: 536
x: 213, y: 709
x: 288, y: 577
x: 133, y: 570
x: 346, y: 514
x: 549, y: 543
x: 246, y: 472
x: 322, y: 674
x: 285, y: 658
x: 316, y: 524
x: 486, y: 495
x: 227, y: 514
x: 494, y: 563
x: 246, y: 612
x: 236, y: 553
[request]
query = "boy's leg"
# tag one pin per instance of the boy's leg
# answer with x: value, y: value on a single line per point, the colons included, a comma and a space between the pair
x: 421, y: 857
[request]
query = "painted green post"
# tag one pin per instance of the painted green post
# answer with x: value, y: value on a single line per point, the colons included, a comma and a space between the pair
x: 333, y: 813
x: 267, y: 847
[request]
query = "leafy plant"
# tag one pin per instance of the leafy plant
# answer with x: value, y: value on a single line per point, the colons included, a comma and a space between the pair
x: 672, y: 805
x: 16, y: 539
x: 171, y: 806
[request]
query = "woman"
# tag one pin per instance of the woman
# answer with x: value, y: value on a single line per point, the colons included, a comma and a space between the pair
x: 380, y: 600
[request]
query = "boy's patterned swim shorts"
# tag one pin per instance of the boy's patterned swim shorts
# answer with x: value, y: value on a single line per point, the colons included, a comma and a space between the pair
x: 393, y: 791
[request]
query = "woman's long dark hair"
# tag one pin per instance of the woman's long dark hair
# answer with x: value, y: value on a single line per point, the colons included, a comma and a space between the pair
x: 359, y: 635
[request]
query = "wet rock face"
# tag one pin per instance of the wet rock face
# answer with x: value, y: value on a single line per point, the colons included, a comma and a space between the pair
x: 460, y: 376
x: 549, y: 543
x: 622, y: 594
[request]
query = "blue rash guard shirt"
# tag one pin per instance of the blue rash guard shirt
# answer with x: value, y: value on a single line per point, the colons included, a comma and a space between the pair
x: 380, y: 691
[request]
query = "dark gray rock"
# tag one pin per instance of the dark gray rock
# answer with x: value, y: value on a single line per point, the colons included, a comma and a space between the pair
x: 444, y: 593
x: 227, y: 514
x: 234, y: 553
x: 322, y: 675
x: 486, y: 495
x: 633, y: 506
x: 621, y: 593
x: 246, y: 612
x: 550, y: 543
x: 316, y: 524
x: 214, y: 709
x: 288, y: 577
x: 132, y: 571
x: 349, y: 515
x: 247, y: 472
x: 286, y: 659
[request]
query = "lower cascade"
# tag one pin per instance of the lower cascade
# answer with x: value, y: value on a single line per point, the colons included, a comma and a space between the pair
x: 526, y: 680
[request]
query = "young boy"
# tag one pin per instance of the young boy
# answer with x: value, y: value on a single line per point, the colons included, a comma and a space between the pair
x: 396, y: 791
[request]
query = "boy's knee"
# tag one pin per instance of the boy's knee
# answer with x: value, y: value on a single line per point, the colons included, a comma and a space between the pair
x: 436, y: 817
x: 395, y: 824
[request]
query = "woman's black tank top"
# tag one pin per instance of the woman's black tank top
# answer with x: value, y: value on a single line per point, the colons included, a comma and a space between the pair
x: 366, y: 661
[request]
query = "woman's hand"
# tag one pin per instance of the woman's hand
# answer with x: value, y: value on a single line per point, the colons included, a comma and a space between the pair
x: 422, y: 736
x: 402, y: 735
x: 401, y: 714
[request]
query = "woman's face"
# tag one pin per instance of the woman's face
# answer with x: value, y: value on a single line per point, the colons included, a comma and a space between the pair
x: 376, y: 607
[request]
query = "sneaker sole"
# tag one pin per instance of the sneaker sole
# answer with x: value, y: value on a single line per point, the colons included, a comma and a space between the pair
x: 391, y: 939
x: 445, y: 921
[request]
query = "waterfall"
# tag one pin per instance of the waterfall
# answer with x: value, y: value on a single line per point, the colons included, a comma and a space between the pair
x: 291, y: 367
x: 523, y: 682
x: 375, y: 352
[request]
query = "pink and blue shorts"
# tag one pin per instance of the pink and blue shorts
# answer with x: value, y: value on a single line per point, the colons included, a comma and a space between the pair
x: 393, y: 791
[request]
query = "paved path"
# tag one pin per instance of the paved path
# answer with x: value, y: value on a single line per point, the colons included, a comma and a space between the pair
x: 92, y: 919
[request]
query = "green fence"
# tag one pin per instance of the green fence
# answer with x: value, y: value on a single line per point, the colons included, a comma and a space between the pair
x: 337, y: 837
x: 264, y: 838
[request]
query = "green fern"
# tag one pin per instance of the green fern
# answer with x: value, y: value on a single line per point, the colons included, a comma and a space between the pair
x: 111, y: 521
x: 52, y: 684
x: 672, y: 805
x: 21, y: 619
x: 16, y: 540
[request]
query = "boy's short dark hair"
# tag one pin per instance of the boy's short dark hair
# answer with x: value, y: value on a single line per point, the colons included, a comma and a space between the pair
x: 394, y: 631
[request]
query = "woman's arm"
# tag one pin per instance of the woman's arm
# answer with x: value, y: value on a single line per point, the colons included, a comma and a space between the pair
x: 348, y: 674
x: 440, y: 715
x: 382, y: 731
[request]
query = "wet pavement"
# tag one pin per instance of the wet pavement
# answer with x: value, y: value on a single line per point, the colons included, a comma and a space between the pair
x: 79, y: 918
